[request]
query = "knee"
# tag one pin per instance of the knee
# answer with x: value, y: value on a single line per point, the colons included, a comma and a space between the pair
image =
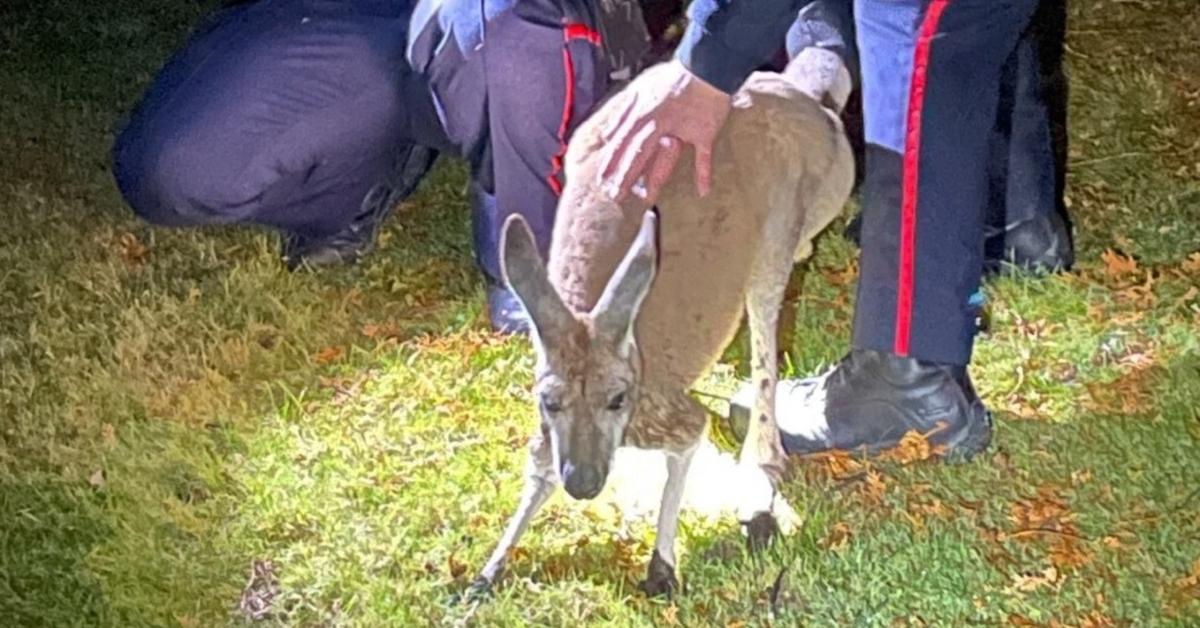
x: 173, y: 177
x: 145, y: 184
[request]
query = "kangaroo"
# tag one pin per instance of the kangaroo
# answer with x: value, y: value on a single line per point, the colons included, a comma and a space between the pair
x: 635, y: 303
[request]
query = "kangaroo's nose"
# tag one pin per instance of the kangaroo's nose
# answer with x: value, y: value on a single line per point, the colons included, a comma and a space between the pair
x: 582, y: 481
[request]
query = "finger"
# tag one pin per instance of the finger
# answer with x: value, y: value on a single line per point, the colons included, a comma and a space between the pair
x: 632, y: 161
x: 669, y: 150
x: 703, y: 169
x: 615, y: 149
x: 614, y: 124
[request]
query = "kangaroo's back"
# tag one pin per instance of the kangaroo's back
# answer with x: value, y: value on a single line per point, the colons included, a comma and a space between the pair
x: 780, y: 152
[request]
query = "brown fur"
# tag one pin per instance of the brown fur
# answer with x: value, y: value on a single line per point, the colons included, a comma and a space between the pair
x: 779, y: 151
x: 782, y: 169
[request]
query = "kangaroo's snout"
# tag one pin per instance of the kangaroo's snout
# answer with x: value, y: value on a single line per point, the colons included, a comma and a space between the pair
x: 583, y: 481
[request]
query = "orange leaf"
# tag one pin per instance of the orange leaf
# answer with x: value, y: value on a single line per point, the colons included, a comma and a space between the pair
x: 1117, y: 264
x: 1130, y: 394
x: 132, y: 250
x: 914, y: 447
x: 1022, y: 409
x: 1192, y: 580
x: 933, y: 508
x: 874, y: 487
x: 1192, y: 263
x: 383, y: 331
x: 838, y: 537
x: 1096, y: 619
x: 328, y: 355
x: 844, y: 276
x: 834, y: 464
x: 1045, y: 511
x: 457, y: 569
x: 1192, y: 293
x: 1067, y: 553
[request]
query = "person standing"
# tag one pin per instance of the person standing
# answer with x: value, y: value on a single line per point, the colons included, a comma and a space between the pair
x: 932, y: 75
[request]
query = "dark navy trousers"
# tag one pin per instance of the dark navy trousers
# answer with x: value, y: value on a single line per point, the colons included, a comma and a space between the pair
x: 284, y: 113
x: 986, y: 80
x: 510, y: 81
x: 932, y: 75
x: 289, y: 113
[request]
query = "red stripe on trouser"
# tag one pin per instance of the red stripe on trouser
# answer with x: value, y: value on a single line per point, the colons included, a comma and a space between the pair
x: 571, y: 32
x: 912, y: 158
x: 581, y: 31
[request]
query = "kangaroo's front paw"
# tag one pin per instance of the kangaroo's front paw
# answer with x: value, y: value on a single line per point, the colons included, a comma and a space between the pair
x: 660, y: 578
x: 761, y: 529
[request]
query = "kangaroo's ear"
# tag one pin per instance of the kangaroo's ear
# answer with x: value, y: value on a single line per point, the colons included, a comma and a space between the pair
x: 617, y: 309
x: 526, y: 276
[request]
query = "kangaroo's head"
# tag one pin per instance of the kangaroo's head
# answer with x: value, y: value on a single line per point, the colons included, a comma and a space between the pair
x: 588, y: 367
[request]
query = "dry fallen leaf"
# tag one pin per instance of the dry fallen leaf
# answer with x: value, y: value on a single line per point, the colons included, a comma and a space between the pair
x: 1069, y: 553
x: 97, y: 479
x: 132, y: 250
x: 328, y: 355
x: 1027, y: 582
x: 914, y: 447
x: 1095, y: 619
x: 1117, y: 264
x: 1021, y: 408
x: 1081, y: 476
x: 1192, y: 263
x: 835, y: 464
x: 1046, y: 511
x: 843, y: 276
x: 457, y: 569
x: 1188, y: 296
x: 932, y: 508
x: 383, y: 331
x: 874, y: 488
x: 1034, y: 330
x: 1130, y: 394
x: 1192, y: 580
x: 670, y: 615
x: 838, y: 537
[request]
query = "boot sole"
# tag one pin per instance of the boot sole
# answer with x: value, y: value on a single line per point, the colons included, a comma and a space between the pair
x: 968, y: 441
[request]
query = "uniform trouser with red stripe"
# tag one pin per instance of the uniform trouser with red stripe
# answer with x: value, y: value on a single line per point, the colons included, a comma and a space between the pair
x: 931, y: 76
x: 511, y: 80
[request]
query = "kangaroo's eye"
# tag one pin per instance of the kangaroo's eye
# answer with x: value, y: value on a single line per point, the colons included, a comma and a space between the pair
x: 551, y: 405
x: 617, y: 402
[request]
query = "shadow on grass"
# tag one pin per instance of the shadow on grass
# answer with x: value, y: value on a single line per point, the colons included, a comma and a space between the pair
x: 49, y: 529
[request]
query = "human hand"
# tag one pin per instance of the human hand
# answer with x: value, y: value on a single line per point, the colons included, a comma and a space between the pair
x: 647, y: 137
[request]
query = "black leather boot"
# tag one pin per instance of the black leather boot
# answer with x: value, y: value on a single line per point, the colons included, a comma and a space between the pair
x: 1039, y: 244
x: 357, y: 238
x: 869, y: 401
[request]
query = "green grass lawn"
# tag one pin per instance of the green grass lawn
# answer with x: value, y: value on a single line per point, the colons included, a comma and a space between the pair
x: 175, y: 407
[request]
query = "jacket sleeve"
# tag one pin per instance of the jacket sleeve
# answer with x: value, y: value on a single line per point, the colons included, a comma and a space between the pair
x: 726, y: 40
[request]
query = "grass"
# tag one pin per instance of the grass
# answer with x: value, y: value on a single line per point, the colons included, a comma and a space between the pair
x: 174, y: 406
